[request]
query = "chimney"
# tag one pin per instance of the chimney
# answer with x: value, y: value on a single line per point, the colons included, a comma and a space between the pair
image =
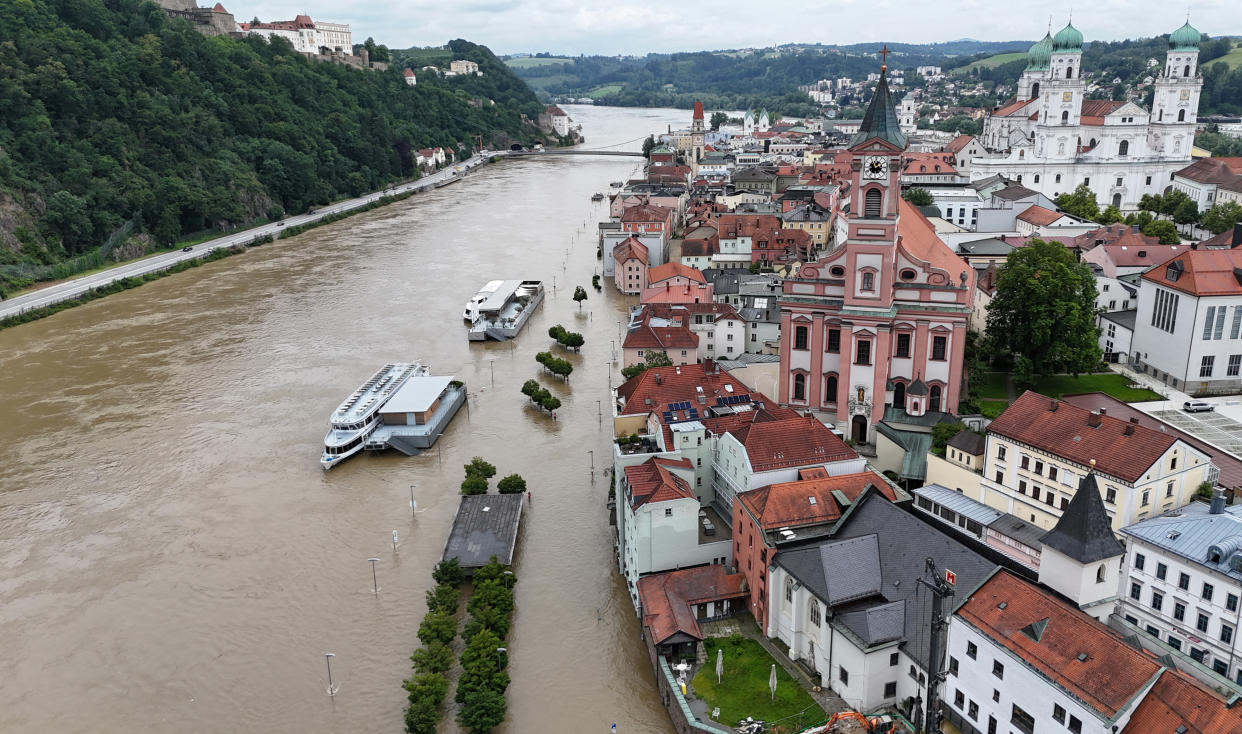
x: 1142, y: 253
x: 1218, y: 502
x: 1093, y: 420
x: 1129, y: 430
x: 1053, y: 405
x: 1103, y: 411
x: 1134, y: 421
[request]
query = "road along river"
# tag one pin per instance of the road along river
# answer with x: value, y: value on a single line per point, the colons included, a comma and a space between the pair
x: 173, y: 559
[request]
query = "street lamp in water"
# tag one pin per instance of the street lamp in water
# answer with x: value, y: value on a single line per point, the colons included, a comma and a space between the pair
x: 374, y: 580
x: 331, y: 688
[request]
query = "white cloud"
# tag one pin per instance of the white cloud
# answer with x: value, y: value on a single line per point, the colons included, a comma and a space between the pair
x: 642, y: 26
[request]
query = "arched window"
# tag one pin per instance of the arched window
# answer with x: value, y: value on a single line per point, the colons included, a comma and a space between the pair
x: 1181, y: 115
x: 1160, y: 117
x: 788, y: 589
x: 814, y: 612
x: 868, y: 281
x: 1036, y: 178
x: 830, y: 389
x: 1186, y: 71
x: 1099, y: 574
x: 1123, y: 148
x: 1064, y: 117
x: 1069, y: 72
x: 875, y: 199
x: 1034, y: 90
x: 1117, y: 200
x: 1058, y: 178
x: 899, y: 395
x: 799, y: 387
x: 933, y: 401
x: 1019, y: 178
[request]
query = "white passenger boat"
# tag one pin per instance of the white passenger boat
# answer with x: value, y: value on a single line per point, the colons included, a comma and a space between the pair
x: 501, y: 308
x: 358, y: 417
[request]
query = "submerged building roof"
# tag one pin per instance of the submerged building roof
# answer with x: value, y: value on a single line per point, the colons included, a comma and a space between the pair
x: 486, y: 525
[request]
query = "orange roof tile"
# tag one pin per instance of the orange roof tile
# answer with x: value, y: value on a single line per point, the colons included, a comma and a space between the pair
x: 1039, y: 216
x: 1176, y: 701
x: 667, y: 598
x: 918, y: 238
x: 788, y: 504
x: 1011, y: 108
x: 957, y: 144
x: 673, y: 270
x: 646, y: 213
x: 661, y: 385
x: 651, y: 481
x: 1202, y: 273
x: 630, y: 249
x: 1080, y: 655
x: 792, y: 442
x: 1065, y: 432
x: 646, y: 336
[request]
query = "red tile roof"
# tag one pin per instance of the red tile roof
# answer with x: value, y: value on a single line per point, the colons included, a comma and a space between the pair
x: 698, y: 111
x: 1094, y: 110
x: 1065, y: 432
x: 1078, y: 654
x: 1141, y: 255
x: 680, y: 312
x: 651, y: 481
x: 1213, y: 170
x: 661, y: 337
x: 630, y: 249
x: 918, y: 237
x: 957, y: 144
x: 1203, y: 273
x: 646, y: 213
x: 788, y: 504
x: 1011, y: 108
x: 800, y: 441
x: 663, y: 385
x: 1176, y: 701
x: 672, y: 270
x: 667, y: 599
x: 1114, y: 234
x: 1039, y: 216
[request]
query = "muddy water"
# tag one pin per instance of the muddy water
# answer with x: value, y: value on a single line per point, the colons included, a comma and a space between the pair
x: 173, y: 559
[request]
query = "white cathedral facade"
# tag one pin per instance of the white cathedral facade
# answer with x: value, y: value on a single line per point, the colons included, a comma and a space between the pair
x: 1052, y: 139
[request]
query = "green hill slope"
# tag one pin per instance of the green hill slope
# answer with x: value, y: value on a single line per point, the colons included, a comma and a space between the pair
x: 120, y: 125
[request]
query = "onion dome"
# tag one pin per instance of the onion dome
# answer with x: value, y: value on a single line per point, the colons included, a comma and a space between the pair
x: 1068, y: 39
x: 1185, y: 38
x: 1040, y: 55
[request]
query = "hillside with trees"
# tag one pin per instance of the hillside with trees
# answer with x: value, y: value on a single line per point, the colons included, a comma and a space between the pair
x: 124, y: 131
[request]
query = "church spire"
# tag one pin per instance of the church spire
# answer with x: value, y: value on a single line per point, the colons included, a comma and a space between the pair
x: 1084, y: 531
x: 880, y: 120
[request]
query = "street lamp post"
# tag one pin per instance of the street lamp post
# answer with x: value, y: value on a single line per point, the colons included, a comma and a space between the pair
x: 374, y: 578
x: 331, y: 688
x: 493, y: 367
x: 413, y: 504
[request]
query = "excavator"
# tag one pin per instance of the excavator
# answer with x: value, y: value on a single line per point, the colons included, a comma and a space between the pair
x: 877, y: 724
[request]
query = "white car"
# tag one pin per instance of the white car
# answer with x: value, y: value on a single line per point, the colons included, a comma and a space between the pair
x: 1198, y: 406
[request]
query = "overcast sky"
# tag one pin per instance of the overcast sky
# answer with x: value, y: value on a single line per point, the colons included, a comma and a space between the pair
x: 572, y: 27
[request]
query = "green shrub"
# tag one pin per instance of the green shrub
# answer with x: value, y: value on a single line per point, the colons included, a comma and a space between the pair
x: 437, y: 627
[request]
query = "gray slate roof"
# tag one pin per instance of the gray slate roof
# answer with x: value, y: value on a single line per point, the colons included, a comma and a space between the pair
x: 1124, y: 319
x: 1013, y: 192
x: 903, y: 542
x: 1084, y: 531
x: 986, y: 246
x: 486, y: 525
x: 880, y: 119
x: 969, y: 442
x: 1192, y: 532
x: 878, y: 624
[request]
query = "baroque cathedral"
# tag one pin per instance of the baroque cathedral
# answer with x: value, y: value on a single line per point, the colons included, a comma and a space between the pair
x: 1052, y: 139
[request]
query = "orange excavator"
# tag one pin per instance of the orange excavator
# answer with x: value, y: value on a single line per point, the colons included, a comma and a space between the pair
x: 878, y: 724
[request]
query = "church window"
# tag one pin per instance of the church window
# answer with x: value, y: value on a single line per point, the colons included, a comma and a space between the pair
x: 1019, y: 178
x: 830, y: 389
x: 814, y: 612
x: 1060, y: 151
x: 834, y: 340
x: 1065, y: 117
x: 1034, y: 90
x: 1069, y: 72
x: 1123, y: 148
x: 939, y: 347
x: 800, y: 337
x: 909, y: 274
x: 933, y: 402
x: 903, y: 345
x: 1086, y: 181
x: 1160, y: 117
x: 789, y: 589
x: 1058, y: 178
x: 871, y: 208
x: 1186, y: 71
x: 799, y: 387
x: 1100, y: 574
x: 1036, y: 178
x: 1181, y: 115
x: 868, y: 281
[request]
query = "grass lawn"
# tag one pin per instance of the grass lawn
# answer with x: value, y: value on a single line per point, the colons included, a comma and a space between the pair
x: 991, y: 62
x: 1233, y: 59
x: 743, y: 689
x: 531, y: 63
x: 603, y: 91
x: 993, y: 386
x: 1106, y: 382
x: 993, y: 408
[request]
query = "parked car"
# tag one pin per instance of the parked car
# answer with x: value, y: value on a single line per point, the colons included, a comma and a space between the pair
x: 1198, y: 406
x: 187, y: 248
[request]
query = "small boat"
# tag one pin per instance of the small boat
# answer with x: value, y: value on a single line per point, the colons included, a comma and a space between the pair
x: 615, y: 184
x: 597, y: 197
x: 501, y: 308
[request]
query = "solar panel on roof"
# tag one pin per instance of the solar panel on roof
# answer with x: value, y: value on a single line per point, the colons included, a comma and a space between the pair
x: 721, y: 401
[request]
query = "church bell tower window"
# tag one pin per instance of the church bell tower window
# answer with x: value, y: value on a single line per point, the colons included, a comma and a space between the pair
x: 873, y: 203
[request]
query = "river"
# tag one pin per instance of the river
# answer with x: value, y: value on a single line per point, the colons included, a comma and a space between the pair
x: 172, y: 558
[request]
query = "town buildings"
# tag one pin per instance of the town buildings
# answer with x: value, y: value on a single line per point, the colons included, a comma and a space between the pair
x: 1052, y: 139
x: 307, y: 36
x: 1039, y: 449
x: 885, y: 309
x: 1189, y: 328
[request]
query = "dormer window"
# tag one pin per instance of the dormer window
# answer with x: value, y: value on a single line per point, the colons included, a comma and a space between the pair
x: 1173, y: 271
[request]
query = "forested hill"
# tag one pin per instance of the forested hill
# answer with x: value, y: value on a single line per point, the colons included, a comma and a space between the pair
x: 121, y: 126
x: 723, y: 80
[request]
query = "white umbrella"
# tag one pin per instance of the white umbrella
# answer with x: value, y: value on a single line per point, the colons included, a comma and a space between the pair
x: 719, y: 663
x: 772, y: 682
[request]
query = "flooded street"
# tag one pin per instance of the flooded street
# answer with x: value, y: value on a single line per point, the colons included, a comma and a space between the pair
x: 172, y: 558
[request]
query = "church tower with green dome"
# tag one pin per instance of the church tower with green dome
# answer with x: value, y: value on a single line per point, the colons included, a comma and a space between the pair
x: 1037, y: 61
x: 1175, y: 104
x: 1064, y: 90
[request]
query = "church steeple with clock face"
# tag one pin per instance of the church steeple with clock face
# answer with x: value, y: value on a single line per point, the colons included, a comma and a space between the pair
x: 876, y: 166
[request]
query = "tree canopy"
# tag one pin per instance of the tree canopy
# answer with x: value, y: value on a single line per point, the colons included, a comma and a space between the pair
x: 117, y: 116
x: 1080, y: 203
x: 1044, y: 312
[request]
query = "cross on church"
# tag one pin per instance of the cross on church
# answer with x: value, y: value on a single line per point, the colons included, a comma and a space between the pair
x: 884, y: 52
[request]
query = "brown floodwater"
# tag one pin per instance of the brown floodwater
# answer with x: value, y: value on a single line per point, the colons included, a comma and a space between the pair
x: 172, y: 558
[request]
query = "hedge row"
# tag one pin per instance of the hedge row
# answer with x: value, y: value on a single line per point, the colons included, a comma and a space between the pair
x: 429, y: 684
x: 481, y: 688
